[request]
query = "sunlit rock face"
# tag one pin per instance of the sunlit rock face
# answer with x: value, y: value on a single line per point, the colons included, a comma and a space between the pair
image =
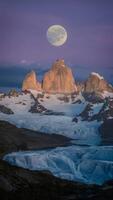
x: 30, y: 82
x: 59, y: 79
x: 96, y: 83
x: 80, y: 87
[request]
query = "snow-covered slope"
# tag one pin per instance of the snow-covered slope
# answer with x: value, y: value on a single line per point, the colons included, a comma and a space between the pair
x: 92, y: 165
x: 85, y: 132
x: 19, y: 105
x: 60, y: 120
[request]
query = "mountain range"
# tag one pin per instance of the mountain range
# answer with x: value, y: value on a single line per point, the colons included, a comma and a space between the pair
x: 58, y: 111
x: 59, y: 79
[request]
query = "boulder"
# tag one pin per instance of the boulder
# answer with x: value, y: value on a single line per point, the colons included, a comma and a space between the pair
x: 59, y: 79
x: 30, y: 82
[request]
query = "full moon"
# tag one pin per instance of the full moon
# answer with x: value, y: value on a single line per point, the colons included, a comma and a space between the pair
x: 56, y: 35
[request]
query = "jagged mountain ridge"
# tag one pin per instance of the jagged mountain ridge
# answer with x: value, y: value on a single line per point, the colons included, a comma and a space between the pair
x: 59, y: 79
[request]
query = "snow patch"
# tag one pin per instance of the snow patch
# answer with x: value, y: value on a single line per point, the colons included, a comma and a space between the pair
x: 96, y: 74
x: 107, y: 94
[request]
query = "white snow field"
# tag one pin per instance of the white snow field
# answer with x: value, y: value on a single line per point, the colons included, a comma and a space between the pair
x: 91, y: 165
x: 85, y: 132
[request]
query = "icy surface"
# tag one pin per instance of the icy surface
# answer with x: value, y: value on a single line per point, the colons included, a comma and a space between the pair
x: 92, y: 165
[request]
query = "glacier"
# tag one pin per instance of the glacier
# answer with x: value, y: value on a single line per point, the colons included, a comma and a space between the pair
x: 91, y: 165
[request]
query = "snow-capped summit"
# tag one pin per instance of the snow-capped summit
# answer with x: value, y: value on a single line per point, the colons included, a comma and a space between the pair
x: 98, y: 75
x: 97, y: 83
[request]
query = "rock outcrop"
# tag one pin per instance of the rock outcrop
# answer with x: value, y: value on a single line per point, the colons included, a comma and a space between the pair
x: 59, y: 79
x: 6, y: 110
x: 85, y: 114
x: 106, y: 111
x: 13, y: 93
x: 93, y: 97
x: 30, y: 82
x: 96, y: 83
x: 106, y: 131
x: 37, y: 108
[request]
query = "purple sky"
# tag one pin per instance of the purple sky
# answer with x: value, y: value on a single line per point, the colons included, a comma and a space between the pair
x: 89, y: 23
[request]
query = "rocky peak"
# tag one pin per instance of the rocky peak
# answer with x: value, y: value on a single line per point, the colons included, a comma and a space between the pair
x: 96, y: 83
x: 58, y: 64
x: 59, y: 79
x: 96, y: 75
x: 30, y: 82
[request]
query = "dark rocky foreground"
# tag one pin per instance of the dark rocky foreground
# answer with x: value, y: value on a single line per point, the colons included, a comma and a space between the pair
x: 15, y: 139
x: 106, y: 131
x: 21, y: 184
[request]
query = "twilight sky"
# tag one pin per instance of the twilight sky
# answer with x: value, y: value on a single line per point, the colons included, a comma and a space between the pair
x: 89, y: 23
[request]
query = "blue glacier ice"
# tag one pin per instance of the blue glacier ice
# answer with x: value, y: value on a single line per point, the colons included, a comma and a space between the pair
x: 92, y: 165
